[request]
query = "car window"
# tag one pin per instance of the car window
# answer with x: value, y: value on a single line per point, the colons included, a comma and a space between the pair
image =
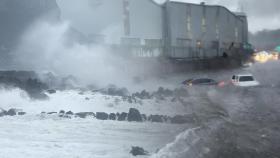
x: 246, y: 78
x: 201, y: 81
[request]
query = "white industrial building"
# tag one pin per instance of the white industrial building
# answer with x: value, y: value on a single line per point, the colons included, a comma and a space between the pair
x: 173, y: 29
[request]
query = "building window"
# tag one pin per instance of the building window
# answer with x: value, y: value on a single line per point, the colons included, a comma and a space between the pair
x: 203, y: 21
x: 236, y: 34
x: 217, y: 23
x: 189, y: 28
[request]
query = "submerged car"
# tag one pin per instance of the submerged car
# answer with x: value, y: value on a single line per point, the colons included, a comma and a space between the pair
x: 200, y: 81
x: 245, y: 80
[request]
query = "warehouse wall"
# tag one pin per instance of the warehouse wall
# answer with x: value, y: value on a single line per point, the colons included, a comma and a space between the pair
x: 201, y: 31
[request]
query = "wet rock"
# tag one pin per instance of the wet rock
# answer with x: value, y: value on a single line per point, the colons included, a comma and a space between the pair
x: 69, y: 113
x: 142, y: 95
x: 102, y: 116
x: 51, y: 91
x: 11, y: 112
x: 84, y: 114
x: 156, y: 118
x: 179, y: 119
x: 122, y: 116
x: 2, y: 112
x: 144, y: 117
x: 112, y: 116
x: 136, y: 151
x: 61, y: 113
x: 21, y: 113
x: 50, y: 113
x: 134, y: 115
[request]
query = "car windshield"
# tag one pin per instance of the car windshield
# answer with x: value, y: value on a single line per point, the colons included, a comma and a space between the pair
x: 201, y: 81
x: 246, y: 78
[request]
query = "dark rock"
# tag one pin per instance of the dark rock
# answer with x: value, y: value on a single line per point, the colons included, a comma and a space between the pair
x: 102, y: 116
x: 134, y: 115
x: 122, y: 116
x: 143, y: 95
x: 25, y: 80
x: 2, y: 112
x: 43, y: 112
x: 69, y: 113
x: 21, y: 113
x: 51, y: 91
x: 167, y: 119
x: 61, y: 113
x: 156, y: 118
x: 50, y: 113
x: 179, y: 119
x: 84, y: 114
x: 135, y: 151
x: 11, y: 112
x: 87, y: 98
x: 112, y: 116
x: 144, y: 117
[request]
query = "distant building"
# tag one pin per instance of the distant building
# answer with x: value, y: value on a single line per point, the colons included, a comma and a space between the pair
x: 174, y: 29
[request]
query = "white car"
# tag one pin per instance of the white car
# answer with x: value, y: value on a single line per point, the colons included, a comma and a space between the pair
x: 246, y: 80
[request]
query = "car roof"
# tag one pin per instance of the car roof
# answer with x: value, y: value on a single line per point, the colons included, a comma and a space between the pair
x: 244, y: 75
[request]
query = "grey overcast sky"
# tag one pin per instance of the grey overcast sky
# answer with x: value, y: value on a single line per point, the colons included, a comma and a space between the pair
x: 262, y: 14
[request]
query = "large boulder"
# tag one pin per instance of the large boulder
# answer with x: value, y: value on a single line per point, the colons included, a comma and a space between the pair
x: 134, y: 115
x: 84, y: 114
x: 102, y: 116
x: 112, y: 116
x: 2, y: 112
x: 69, y: 113
x: 122, y: 116
x: 25, y: 80
x: 11, y: 112
x: 136, y: 151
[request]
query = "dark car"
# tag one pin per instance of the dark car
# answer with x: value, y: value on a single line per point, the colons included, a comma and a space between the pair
x: 200, y: 81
